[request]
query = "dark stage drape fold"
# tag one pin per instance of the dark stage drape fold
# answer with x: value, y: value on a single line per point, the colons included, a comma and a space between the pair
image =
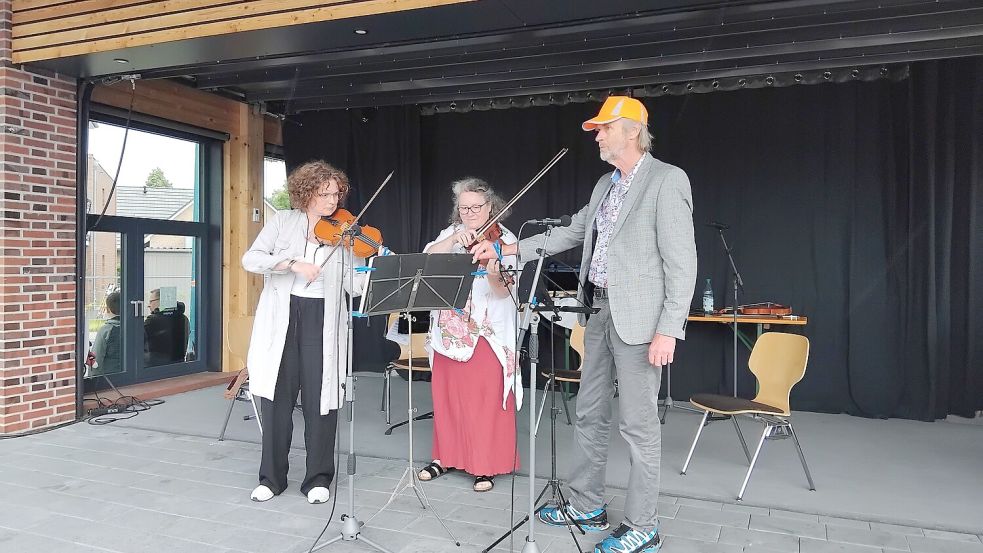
x: 859, y: 204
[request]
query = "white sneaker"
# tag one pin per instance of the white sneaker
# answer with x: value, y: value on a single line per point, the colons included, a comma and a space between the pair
x: 317, y: 495
x: 261, y: 493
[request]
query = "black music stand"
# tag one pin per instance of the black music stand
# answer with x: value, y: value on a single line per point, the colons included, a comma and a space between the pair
x: 413, y: 282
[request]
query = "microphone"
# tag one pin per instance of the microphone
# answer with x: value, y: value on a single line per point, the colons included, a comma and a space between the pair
x: 561, y: 222
x: 718, y: 226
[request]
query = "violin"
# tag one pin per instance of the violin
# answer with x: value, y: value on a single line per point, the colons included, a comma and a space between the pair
x: 491, y: 231
x: 331, y: 230
x: 764, y: 308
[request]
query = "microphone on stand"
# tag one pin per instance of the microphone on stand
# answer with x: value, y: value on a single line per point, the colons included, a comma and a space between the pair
x: 718, y: 226
x: 561, y: 222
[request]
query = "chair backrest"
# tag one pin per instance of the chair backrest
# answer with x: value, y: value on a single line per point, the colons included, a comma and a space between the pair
x: 238, y: 331
x: 577, y: 342
x: 778, y: 361
x: 419, y: 341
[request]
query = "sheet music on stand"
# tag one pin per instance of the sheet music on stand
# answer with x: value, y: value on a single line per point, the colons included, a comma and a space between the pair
x: 417, y: 281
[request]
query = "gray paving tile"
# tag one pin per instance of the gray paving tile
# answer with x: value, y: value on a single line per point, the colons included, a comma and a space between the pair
x: 675, y: 544
x: 749, y: 509
x: 19, y: 542
x: 845, y: 522
x: 922, y: 544
x: 808, y: 545
x: 795, y: 527
x: 697, y: 531
x: 872, y: 538
x: 781, y: 513
x: 779, y: 542
x: 712, y: 516
x: 896, y: 529
x: 944, y: 535
x: 97, y: 534
x: 257, y: 541
x: 702, y: 503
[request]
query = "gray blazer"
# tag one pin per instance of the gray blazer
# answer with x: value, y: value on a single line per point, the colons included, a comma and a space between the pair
x: 651, y: 256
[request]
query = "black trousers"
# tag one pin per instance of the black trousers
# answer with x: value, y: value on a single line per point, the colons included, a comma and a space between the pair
x: 300, y: 370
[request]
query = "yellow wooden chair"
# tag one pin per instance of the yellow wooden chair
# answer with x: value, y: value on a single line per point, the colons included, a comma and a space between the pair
x: 237, y: 334
x: 421, y: 363
x: 778, y: 362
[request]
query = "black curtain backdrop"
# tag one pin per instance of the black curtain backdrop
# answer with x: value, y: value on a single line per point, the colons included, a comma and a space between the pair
x: 858, y: 204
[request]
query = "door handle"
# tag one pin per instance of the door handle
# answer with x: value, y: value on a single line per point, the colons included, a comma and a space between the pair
x: 137, y: 308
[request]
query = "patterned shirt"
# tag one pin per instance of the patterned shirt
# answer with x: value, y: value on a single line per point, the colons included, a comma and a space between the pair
x: 607, y: 216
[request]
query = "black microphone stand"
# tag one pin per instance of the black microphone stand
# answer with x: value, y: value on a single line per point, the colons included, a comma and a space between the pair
x: 738, y: 284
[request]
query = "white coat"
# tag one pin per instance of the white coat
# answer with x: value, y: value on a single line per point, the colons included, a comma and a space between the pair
x: 282, y: 238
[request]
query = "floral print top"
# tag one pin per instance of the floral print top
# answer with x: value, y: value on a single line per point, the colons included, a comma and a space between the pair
x: 455, y: 334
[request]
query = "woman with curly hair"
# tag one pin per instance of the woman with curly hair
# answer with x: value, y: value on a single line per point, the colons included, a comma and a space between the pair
x: 473, y: 355
x: 299, y: 340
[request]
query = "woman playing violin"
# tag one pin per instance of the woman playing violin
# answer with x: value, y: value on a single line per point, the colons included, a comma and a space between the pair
x: 299, y: 341
x: 473, y: 354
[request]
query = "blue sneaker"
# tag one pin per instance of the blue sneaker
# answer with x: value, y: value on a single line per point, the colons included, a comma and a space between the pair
x: 628, y: 540
x: 594, y: 521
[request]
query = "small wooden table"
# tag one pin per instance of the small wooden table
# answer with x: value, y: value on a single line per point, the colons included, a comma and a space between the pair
x: 762, y: 323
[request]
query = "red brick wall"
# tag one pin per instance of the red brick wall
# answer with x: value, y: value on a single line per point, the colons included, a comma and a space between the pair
x: 37, y: 221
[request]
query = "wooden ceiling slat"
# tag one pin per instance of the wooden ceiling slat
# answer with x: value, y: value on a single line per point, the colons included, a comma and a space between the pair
x: 98, y: 12
x: 259, y: 14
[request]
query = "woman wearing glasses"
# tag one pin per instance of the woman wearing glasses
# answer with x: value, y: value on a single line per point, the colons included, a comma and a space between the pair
x: 299, y: 341
x: 473, y: 358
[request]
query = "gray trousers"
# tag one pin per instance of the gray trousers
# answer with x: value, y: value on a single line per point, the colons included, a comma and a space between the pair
x: 607, y: 357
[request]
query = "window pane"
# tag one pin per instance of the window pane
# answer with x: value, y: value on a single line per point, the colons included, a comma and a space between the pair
x: 275, y: 185
x: 157, y: 180
x: 103, y: 305
x: 169, y: 282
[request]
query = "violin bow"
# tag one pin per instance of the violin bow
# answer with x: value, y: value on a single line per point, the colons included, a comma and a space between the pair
x: 491, y: 222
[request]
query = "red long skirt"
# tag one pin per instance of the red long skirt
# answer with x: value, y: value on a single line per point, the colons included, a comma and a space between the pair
x: 471, y: 431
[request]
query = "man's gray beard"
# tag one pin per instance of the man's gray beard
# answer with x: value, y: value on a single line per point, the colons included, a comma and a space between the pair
x: 611, y: 155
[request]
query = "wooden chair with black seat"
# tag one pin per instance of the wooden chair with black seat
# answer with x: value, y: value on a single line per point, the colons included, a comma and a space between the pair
x: 568, y: 376
x: 778, y: 362
x: 421, y: 363
x: 237, y: 335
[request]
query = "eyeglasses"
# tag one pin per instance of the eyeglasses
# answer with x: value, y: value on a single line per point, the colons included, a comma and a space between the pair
x: 328, y: 195
x: 462, y: 209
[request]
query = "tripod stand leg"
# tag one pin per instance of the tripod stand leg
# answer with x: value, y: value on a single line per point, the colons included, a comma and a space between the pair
x: 424, y: 416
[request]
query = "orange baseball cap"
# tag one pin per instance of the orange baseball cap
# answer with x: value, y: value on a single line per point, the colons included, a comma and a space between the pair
x: 616, y: 107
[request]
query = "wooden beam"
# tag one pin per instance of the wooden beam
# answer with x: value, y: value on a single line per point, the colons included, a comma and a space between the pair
x: 143, y: 33
x: 244, y: 192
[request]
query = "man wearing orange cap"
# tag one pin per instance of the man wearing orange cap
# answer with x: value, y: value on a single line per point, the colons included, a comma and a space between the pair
x: 639, y: 268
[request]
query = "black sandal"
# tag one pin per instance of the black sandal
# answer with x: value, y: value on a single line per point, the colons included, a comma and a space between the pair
x: 481, y: 480
x: 433, y: 470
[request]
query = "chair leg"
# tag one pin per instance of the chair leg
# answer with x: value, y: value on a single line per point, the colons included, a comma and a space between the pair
x: 228, y: 415
x: 566, y: 406
x: 741, y: 436
x: 259, y: 419
x: 387, y: 394
x: 754, y: 460
x: 692, y: 448
x: 802, y: 457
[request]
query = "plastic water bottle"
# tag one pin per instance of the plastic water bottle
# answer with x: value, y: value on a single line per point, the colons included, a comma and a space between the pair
x: 708, y: 298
